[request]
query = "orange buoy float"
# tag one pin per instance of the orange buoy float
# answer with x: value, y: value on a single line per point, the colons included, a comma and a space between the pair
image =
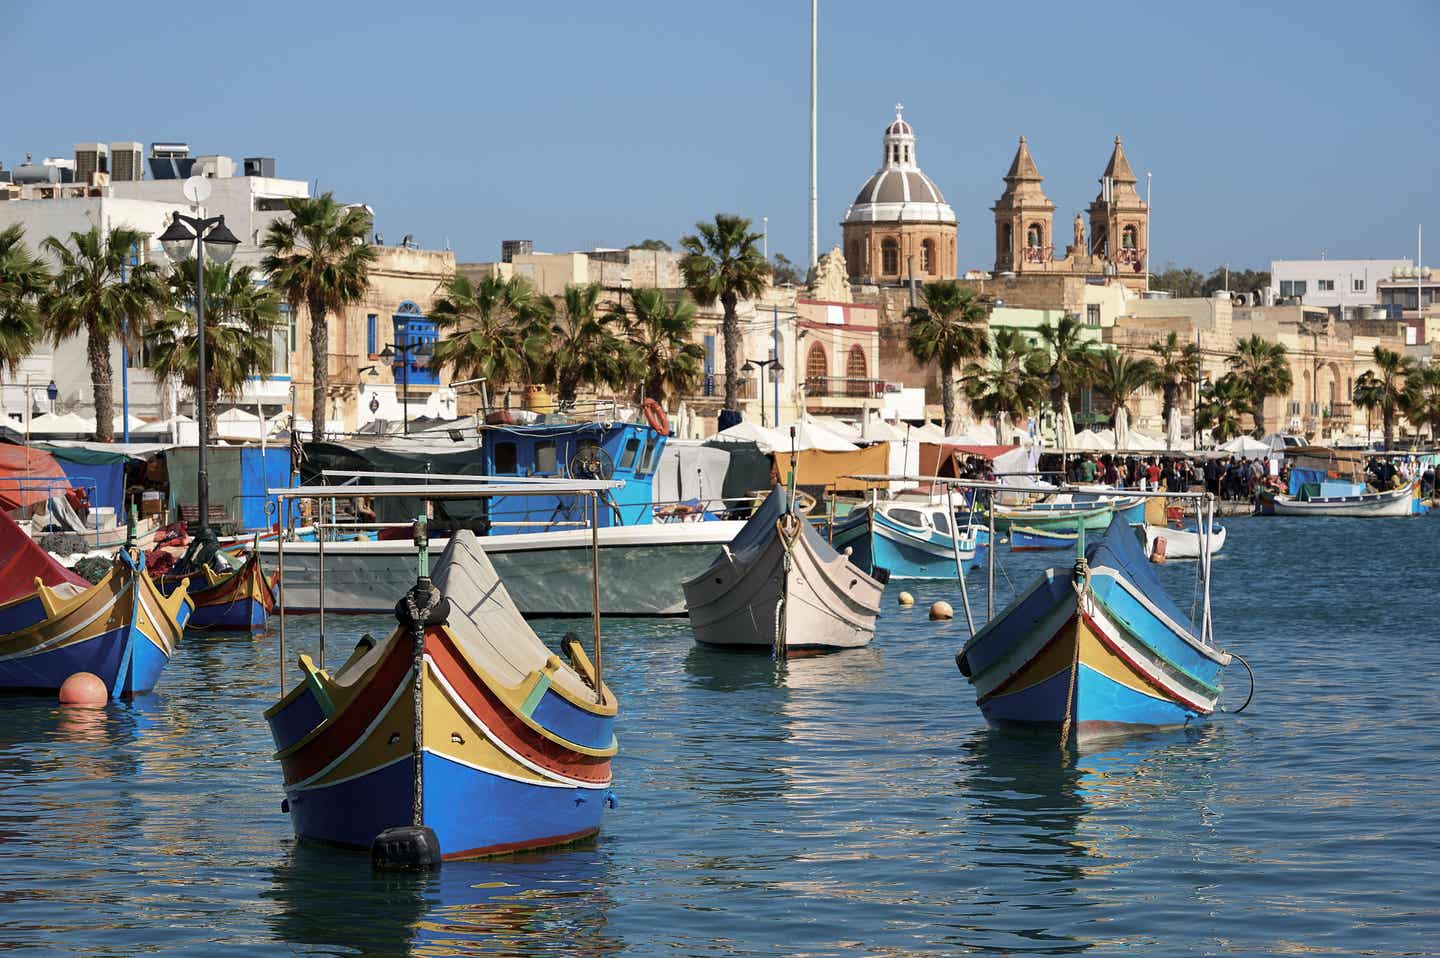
x: 941, y: 611
x: 84, y: 689
x: 1157, y: 552
x: 906, y: 599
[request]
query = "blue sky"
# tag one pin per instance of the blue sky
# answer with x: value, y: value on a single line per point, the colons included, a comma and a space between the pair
x: 1273, y: 130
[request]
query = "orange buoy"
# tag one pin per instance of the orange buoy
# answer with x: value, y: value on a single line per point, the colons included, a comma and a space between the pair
x: 906, y: 599
x: 1157, y: 552
x: 84, y: 689
x: 941, y: 611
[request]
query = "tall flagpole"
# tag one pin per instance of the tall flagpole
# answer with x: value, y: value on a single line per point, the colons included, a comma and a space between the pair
x: 814, y: 133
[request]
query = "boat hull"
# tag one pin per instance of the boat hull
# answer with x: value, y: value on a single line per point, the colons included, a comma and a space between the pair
x: 546, y: 574
x: 122, y: 630
x: 1090, y: 657
x: 1374, y: 505
x: 496, y: 776
x: 1180, y: 543
x: 903, y: 553
x: 238, y: 601
x: 819, y: 605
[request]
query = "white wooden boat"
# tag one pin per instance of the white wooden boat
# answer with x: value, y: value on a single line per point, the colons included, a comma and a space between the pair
x: 780, y: 586
x: 1180, y: 543
x: 1368, y: 505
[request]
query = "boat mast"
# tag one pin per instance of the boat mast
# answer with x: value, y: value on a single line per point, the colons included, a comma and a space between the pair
x: 955, y: 549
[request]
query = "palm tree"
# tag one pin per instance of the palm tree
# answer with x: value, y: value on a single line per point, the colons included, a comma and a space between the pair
x: 1393, y: 370
x: 950, y: 328
x: 582, y: 348
x: 90, y: 296
x: 1263, y: 369
x: 1011, y: 384
x: 1422, y: 398
x: 659, y: 336
x: 241, y: 318
x: 494, y: 328
x: 1070, y: 364
x: 23, y: 280
x: 1176, y: 367
x: 1368, y: 395
x: 317, y: 256
x: 723, y: 262
x: 1118, y: 377
x: 1221, y: 404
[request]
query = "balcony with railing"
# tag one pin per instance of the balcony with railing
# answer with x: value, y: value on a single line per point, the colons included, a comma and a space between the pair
x: 711, y: 389
x: 830, y: 387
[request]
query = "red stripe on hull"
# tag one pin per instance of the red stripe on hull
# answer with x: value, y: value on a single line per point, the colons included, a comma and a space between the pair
x: 1143, y: 675
x: 344, y: 729
x: 508, y: 847
x: 508, y: 726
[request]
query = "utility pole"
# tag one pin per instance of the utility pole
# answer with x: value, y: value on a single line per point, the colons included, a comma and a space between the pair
x: 814, y: 133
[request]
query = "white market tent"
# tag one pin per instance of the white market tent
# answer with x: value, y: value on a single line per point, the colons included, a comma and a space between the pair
x: 1246, y: 446
x: 767, y: 440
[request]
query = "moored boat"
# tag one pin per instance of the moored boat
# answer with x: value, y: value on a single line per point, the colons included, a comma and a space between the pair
x: 1030, y: 539
x: 1357, y: 504
x: 909, y: 540
x: 53, y: 623
x: 514, y: 744
x: 1180, y: 543
x: 779, y: 586
x: 238, y: 600
x: 1095, y: 650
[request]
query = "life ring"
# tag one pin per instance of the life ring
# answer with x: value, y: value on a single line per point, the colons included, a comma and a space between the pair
x: 655, y: 416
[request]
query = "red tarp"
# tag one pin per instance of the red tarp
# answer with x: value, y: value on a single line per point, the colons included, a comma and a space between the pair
x: 936, y: 457
x: 37, y: 467
x: 22, y: 561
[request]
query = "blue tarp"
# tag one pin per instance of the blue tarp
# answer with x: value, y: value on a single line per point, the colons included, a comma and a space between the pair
x: 261, y: 469
x: 1299, y: 477
x: 108, y: 479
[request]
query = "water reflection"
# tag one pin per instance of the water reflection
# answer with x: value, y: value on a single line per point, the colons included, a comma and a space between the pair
x: 543, y: 904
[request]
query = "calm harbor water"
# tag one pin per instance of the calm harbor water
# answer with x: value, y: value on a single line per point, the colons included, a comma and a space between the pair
x: 853, y: 804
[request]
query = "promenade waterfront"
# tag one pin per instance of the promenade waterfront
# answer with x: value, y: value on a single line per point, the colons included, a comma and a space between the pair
x: 854, y: 805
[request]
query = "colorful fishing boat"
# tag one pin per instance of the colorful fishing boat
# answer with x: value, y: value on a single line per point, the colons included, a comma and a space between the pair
x: 911, y: 540
x: 239, y: 600
x: 1092, y: 516
x: 53, y: 623
x: 780, y: 587
x: 514, y: 744
x: 1095, y: 650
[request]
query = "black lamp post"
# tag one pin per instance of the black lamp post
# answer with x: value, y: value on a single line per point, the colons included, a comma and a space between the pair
x: 187, y: 234
x: 775, y: 370
x: 403, y: 350
x: 52, y: 392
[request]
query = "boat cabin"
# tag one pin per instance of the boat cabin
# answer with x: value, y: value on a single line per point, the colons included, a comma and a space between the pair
x: 581, y: 450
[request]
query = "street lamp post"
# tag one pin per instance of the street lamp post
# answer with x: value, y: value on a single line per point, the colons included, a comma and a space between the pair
x: 775, y: 370
x: 403, y: 350
x: 200, y: 235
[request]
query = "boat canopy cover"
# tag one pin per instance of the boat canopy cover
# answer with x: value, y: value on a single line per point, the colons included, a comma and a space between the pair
x: 689, y: 470
x: 22, y: 561
x: 484, y: 620
x: 1120, y: 549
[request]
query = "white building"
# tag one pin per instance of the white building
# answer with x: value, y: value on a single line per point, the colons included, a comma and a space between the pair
x: 1346, y: 287
x: 248, y: 203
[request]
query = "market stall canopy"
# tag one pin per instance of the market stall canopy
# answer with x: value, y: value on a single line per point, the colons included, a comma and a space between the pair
x: 928, y: 432
x: 766, y: 440
x: 63, y: 424
x: 1247, y: 446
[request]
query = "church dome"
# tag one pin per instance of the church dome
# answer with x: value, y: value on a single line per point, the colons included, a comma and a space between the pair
x: 899, y: 192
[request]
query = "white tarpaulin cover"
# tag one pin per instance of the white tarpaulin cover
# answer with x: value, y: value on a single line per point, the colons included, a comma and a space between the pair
x: 689, y: 470
x: 1247, y: 446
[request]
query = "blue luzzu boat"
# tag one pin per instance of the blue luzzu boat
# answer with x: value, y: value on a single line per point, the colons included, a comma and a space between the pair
x: 1094, y: 650
x: 53, y: 623
x: 514, y: 743
x: 237, y: 600
x: 910, y: 540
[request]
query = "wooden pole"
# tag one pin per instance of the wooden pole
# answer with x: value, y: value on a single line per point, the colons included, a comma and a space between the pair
x: 595, y: 593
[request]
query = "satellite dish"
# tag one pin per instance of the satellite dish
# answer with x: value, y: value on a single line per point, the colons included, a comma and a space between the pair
x: 197, y: 189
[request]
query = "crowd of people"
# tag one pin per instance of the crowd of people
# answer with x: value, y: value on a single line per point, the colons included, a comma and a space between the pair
x: 1228, y: 477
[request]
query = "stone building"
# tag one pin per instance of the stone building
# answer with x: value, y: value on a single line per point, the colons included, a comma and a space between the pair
x: 899, y: 224
x: 1119, y: 226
